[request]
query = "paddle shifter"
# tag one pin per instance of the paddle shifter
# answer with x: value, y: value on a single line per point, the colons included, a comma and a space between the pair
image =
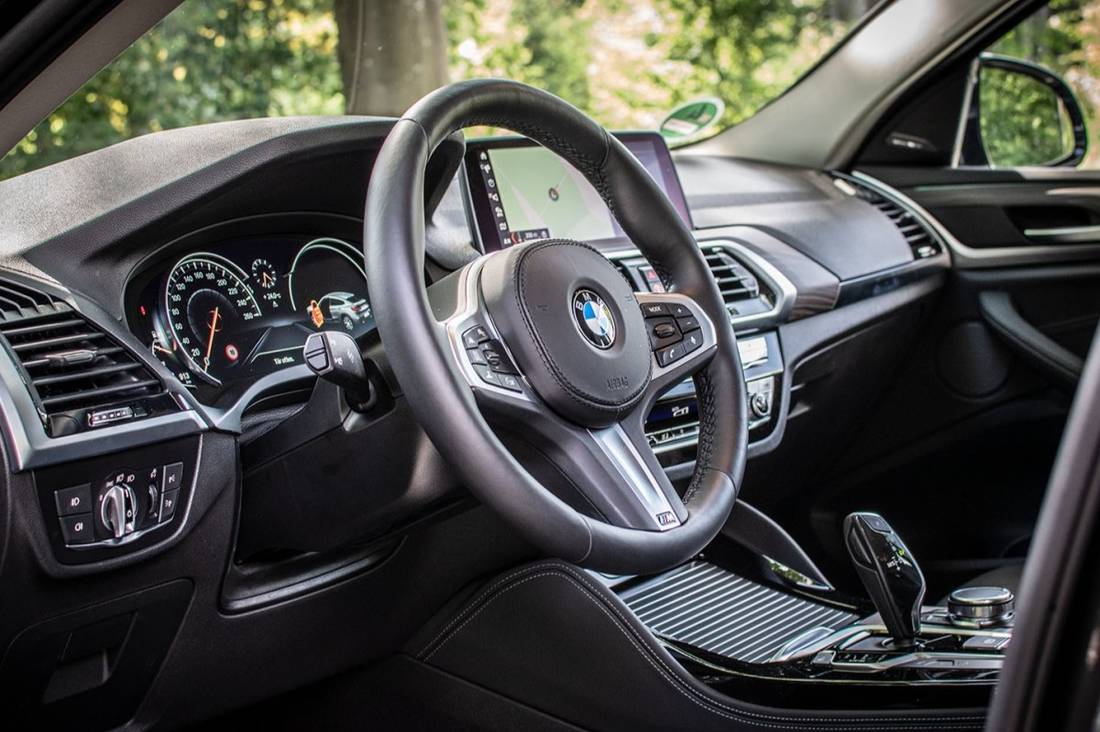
x: 888, y: 571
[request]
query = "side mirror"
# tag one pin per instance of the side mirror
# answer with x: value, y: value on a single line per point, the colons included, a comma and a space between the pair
x: 1020, y: 113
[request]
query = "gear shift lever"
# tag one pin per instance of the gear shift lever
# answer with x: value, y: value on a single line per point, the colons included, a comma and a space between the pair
x: 888, y: 571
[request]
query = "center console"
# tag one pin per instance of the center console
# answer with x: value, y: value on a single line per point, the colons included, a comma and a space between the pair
x: 728, y: 621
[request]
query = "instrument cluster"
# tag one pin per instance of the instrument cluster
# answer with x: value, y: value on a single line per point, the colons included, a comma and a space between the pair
x: 242, y: 308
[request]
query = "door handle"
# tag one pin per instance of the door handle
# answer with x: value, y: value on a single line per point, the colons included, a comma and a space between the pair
x: 1065, y: 235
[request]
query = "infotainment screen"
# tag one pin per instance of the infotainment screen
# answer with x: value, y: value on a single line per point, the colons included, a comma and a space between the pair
x: 523, y: 192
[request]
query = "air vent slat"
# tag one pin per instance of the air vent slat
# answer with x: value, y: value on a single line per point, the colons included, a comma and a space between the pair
x: 56, y: 341
x: 89, y: 374
x: 9, y: 332
x: 45, y: 361
x: 70, y: 366
x: 921, y: 241
x: 736, y: 282
x: 98, y: 393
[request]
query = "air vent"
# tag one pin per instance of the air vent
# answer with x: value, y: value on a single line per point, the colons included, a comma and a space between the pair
x: 921, y: 240
x: 73, y: 369
x: 740, y: 288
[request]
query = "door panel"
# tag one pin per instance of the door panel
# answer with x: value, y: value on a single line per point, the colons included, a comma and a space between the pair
x: 958, y: 452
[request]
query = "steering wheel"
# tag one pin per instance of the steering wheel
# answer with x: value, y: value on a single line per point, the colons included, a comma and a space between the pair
x: 580, y: 342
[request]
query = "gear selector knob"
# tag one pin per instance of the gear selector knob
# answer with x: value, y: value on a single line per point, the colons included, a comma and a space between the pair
x: 888, y: 571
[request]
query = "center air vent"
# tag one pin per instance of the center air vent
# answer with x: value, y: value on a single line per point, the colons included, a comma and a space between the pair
x: 920, y: 239
x: 73, y: 369
x: 740, y: 288
x: 743, y: 291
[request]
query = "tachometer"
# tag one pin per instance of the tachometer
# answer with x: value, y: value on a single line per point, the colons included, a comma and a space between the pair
x: 212, y: 313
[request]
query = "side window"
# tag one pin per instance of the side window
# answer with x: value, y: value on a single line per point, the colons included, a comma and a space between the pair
x: 1035, y: 93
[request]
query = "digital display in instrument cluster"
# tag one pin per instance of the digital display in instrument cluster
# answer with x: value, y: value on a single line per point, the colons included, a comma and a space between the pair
x: 244, y: 308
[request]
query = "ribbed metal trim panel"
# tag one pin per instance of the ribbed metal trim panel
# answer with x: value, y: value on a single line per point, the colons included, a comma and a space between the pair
x: 705, y: 606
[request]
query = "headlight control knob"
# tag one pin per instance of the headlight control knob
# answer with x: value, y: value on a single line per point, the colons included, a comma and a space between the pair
x: 759, y: 404
x: 117, y: 508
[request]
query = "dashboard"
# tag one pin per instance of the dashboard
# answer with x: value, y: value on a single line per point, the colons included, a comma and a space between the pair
x: 222, y: 314
x: 258, y: 482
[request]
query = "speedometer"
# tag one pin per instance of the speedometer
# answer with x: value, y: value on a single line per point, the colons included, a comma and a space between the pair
x: 212, y: 314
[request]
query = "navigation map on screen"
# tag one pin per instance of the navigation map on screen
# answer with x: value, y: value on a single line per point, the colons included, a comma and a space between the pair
x: 529, y: 193
x: 542, y: 196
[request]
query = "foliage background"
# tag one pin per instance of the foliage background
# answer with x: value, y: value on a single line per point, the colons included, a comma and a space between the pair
x: 1063, y: 36
x: 626, y: 62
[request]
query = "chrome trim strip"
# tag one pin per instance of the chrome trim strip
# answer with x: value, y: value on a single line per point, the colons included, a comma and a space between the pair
x: 616, y: 445
x: 929, y: 660
x: 965, y: 257
x: 1066, y: 234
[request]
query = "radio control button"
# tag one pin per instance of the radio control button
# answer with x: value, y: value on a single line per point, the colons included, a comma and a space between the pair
x: 688, y: 323
x: 77, y: 529
x: 662, y: 332
x: 654, y: 309
x: 677, y: 310
x: 77, y: 499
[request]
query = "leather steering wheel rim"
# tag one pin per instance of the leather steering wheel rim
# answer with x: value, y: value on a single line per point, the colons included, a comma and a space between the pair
x: 423, y: 358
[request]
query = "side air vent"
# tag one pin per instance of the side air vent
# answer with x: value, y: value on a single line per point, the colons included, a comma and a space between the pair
x: 77, y: 375
x: 921, y: 240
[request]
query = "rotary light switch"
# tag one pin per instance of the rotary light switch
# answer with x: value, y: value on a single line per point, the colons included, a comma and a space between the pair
x: 117, y: 509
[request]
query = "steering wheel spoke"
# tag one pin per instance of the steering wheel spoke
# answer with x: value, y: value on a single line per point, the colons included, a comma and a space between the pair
x: 611, y: 469
x: 682, y: 337
x: 476, y: 346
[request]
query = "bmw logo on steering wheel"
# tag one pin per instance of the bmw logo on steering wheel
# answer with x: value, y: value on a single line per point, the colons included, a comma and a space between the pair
x: 594, y: 319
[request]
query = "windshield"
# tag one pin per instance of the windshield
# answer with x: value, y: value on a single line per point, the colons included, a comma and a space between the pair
x: 627, y: 63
